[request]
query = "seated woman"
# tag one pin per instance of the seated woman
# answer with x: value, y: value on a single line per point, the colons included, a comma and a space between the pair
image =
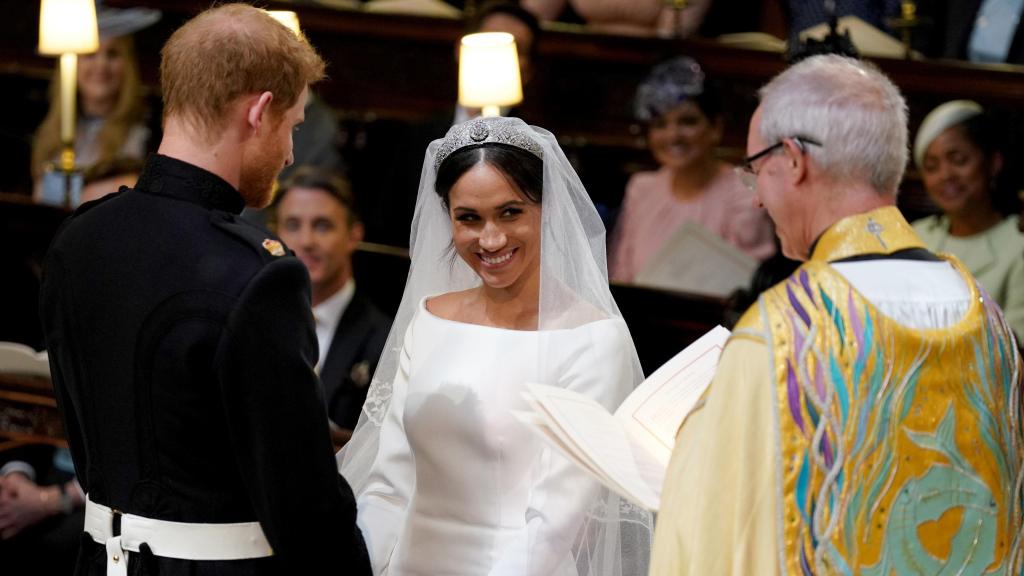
x: 957, y: 151
x: 111, y: 119
x: 638, y: 17
x: 507, y: 286
x: 682, y: 114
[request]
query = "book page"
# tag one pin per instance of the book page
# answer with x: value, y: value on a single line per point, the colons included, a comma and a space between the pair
x: 17, y: 358
x: 558, y: 439
x: 654, y: 411
x: 697, y: 261
x: 595, y: 436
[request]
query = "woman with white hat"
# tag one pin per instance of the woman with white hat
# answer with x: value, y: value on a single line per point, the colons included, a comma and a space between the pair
x: 958, y: 155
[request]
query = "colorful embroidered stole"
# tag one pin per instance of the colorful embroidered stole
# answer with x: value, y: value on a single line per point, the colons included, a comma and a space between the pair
x: 900, y: 449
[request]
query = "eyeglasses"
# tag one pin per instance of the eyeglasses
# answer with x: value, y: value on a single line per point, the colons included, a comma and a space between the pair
x: 746, y: 170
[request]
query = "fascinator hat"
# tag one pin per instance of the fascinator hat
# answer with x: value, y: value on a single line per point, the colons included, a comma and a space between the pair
x: 668, y: 85
x: 942, y: 118
x: 114, y: 22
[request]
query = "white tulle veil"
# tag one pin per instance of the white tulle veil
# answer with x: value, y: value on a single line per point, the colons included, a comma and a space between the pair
x: 615, y: 536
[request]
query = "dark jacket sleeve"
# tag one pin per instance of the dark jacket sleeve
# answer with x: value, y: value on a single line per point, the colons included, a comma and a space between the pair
x: 278, y: 426
x: 55, y: 333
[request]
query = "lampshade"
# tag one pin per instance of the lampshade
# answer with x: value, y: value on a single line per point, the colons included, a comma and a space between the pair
x: 489, y: 70
x: 288, y: 18
x: 68, y: 27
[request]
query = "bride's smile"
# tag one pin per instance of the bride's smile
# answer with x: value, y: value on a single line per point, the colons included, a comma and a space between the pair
x: 495, y: 228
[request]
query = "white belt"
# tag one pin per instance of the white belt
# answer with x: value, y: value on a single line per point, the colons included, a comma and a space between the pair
x: 182, y: 540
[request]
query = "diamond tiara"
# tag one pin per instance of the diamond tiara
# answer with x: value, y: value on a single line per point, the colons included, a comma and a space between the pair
x: 484, y: 130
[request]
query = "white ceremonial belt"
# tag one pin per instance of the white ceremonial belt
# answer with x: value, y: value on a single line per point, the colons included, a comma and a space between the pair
x: 182, y: 540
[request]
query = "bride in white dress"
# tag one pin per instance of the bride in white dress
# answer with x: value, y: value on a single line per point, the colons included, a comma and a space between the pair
x: 508, y: 285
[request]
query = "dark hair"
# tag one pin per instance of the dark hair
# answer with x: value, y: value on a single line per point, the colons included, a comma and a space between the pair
x: 322, y: 179
x: 525, y: 170
x: 984, y: 132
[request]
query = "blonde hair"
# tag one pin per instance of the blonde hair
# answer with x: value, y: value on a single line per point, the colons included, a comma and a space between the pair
x: 228, y: 52
x: 128, y: 112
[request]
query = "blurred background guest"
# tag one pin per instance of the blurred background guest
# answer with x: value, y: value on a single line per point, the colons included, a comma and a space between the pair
x: 681, y: 111
x: 958, y: 152
x: 41, y: 511
x: 804, y: 14
x: 111, y: 118
x: 628, y: 16
x: 977, y: 30
x: 316, y: 141
x: 316, y: 217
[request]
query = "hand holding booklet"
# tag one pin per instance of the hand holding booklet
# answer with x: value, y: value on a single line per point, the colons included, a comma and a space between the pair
x: 628, y: 451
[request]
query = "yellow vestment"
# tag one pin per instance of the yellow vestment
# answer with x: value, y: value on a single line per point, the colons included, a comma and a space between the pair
x: 834, y: 440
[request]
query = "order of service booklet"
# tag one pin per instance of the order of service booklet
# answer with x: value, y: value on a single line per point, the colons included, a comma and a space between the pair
x: 698, y: 261
x: 19, y: 359
x: 628, y: 451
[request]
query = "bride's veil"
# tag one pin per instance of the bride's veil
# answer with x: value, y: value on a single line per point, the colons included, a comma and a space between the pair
x: 615, y: 535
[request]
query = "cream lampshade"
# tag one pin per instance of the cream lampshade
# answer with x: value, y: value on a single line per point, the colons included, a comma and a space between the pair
x: 489, y: 72
x: 68, y: 28
x: 288, y: 18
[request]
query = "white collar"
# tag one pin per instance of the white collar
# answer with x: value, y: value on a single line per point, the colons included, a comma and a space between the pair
x: 328, y: 312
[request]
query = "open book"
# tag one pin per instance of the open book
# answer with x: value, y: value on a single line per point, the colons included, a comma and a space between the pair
x: 698, y: 261
x: 628, y: 451
x: 19, y: 359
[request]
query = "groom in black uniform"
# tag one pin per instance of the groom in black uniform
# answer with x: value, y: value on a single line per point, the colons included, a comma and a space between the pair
x: 181, y: 339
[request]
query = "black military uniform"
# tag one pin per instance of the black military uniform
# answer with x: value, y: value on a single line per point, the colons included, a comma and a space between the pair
x: 181, y: 347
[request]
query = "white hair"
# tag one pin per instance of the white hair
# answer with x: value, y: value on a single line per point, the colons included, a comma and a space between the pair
x: 853, y: 110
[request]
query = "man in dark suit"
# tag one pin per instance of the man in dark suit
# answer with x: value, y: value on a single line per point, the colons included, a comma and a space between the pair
x: 999, y: 26
x: 180, y: 337
x: 316, y: 217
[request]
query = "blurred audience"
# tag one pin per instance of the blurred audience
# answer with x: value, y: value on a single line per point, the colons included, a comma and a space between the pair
x: 316, y: 141
x: 681, y: 112
x: 804, y: 14
x: 975, y: 30
x: 316, y: 217
x: 41, y: 511
x: 111, y: 118
x: 958, y: 151
x: 629, y: 16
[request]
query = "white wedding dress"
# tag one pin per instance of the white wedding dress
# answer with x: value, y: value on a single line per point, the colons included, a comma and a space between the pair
x: 460, y: 487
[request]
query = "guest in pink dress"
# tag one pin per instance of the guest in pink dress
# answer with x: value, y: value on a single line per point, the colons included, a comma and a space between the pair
x: 684, y: 126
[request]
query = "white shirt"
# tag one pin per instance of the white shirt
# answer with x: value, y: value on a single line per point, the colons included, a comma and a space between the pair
x: 994, y: 29
x: 915, y: 293
x: 327, y: 314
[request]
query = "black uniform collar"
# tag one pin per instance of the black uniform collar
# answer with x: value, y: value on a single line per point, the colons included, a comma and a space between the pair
x: 166, y: 176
